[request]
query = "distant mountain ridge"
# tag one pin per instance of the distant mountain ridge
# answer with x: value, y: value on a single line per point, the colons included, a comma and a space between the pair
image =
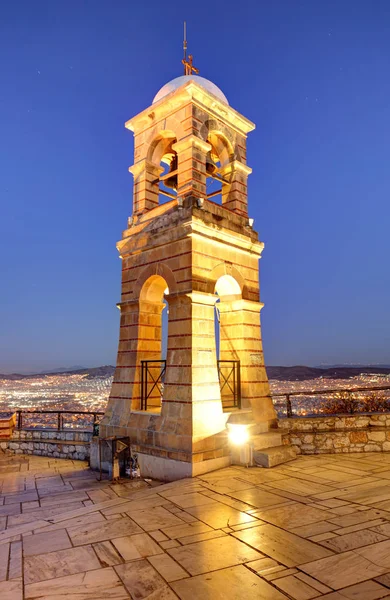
x: 294, y: 373
x: 301, y: 373
x: 91, y: 372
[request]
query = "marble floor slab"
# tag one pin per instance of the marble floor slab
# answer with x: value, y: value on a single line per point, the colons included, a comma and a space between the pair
x: 214, y: 554
x: 285, y: 547
x: 236, y: 583
x: 218, y: 516
x: 343, y: 570
x: 158, y: 518
x: 142, y: 581
x: 350, y: 541
x: 95, y: 585
x: 293, y: 515
x: 100, y: 531
x: 60, y: 563
x: 42, y: 543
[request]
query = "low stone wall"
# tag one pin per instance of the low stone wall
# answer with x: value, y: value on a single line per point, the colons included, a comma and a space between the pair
x: 74, y: 445
x: 337, y: 434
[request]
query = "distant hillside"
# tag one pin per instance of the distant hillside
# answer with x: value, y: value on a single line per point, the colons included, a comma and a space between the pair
x: 301, y: 373
x: 92, y: 373
x: 296, y: 373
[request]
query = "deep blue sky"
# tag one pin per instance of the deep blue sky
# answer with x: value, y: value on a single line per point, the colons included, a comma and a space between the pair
x: 312, y: 74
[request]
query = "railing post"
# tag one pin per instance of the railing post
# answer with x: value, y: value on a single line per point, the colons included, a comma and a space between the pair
x: 59, y: 421
x: 289, y: 406
x: 19, y: 419
x: 239, y: 383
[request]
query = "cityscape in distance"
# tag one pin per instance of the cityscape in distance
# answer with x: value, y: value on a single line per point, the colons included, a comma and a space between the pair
x: 87, y: 389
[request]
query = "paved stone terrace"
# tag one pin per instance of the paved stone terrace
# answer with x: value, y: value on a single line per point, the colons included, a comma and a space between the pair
x: 318, y: 527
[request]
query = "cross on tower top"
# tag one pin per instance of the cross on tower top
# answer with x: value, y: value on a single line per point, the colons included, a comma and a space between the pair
x: 188, y: 66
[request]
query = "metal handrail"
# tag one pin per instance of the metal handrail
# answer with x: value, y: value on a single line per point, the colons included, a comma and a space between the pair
x: 59, y: 413
x: 156, y: 382
x: 322, y: 393
x: 232, y: 380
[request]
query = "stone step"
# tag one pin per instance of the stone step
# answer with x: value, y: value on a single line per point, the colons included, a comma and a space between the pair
x: 266, y: 440
x: 270, y: 457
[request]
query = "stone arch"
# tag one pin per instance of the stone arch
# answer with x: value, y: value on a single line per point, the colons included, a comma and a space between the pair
x: 221, y: 140
x: 162, y: 272
x: 227, y: 269
x: 160, y: 147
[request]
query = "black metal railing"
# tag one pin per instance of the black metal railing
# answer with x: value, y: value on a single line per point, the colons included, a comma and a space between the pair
x: 91, y: 423
x: 153, y: 375
x: 229, y: 372
x: 152, y: 380
x: 330, y: 392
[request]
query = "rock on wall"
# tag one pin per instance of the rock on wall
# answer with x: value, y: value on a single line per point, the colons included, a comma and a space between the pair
x: 74, y: 445
x: 338, y: 434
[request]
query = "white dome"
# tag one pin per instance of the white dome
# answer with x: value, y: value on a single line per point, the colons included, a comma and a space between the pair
x: 179, y: 81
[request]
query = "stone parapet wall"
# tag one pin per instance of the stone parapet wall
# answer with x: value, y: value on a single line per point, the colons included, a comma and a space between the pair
x: 74, y: 445
x: 337, y: 434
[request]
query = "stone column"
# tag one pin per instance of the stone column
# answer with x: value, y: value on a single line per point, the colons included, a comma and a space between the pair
x: 235, y: 194
x: 191, y: 392
x: 146, y: 189
x: 140, y: 339
x: 191, y: 154
x: 240, y: 339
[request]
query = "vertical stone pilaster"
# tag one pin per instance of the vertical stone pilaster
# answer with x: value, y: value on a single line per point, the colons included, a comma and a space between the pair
x: 139, y: 339
x: 235, y: 194
x: 146, y: 189
x: 240, y: 339
x: 191, y: 390
x: 191, y: 154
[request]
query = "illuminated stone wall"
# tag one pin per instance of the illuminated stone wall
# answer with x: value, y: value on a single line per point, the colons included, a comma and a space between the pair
x: 338, y: 434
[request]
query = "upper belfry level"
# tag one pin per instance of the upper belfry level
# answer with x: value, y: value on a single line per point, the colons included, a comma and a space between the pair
x: 190, y: 128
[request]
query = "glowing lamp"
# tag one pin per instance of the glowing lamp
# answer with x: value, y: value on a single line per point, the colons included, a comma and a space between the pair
x: 238, y: 434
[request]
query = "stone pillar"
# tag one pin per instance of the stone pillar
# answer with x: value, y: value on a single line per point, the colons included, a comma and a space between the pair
x: 191, y: 154
x: 146, y: 189
x: 140, y: 339
x: 235, y: 194
x: 191, y: 391
x: 240, y: 339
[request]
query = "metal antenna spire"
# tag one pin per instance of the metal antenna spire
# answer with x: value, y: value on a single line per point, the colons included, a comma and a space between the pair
x: 188, y: 66
x: 185, y: 44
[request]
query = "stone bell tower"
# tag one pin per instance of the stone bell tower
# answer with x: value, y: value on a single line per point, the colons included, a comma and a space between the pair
x: 189, y: 252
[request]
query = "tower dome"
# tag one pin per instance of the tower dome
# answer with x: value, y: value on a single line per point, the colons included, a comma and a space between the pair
x: 173, y: 85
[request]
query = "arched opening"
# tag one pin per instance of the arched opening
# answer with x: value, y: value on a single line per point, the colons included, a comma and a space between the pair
x: 227, y: 290
x: 218, y: 158
x: 152, y: 338
x: 161, y: 153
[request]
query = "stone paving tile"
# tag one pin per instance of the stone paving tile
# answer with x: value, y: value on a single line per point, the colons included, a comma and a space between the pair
x: 342, y: 543
x: 220, y: 515
x: 107, y: 554
x: 293, y: 515
x: 42, y: 543
x: 233, y: 583
x: 131, y: 547
x: 285, y: 547
x: 214, y: 554
x: 11, y: 590
x: 167, y: 567
x: 96, y: 585
x: 297, y: 589
x: 143, y: 581
x: 60, y: 563
x: 342, y: 570
x: 100, y: 531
